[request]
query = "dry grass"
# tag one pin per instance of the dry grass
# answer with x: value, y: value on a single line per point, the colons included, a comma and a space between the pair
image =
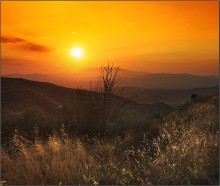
x: 185, y: 156
x: 191, y: 156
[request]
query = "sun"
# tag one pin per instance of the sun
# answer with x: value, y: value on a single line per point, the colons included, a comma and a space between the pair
x: 77, y: 52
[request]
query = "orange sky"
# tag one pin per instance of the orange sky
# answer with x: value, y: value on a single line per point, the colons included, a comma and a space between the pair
x: 171, y: 36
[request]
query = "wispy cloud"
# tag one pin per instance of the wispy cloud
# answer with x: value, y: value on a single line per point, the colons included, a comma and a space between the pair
x: 38, y: 48
x: 12, y: 40
x: 25, y: 44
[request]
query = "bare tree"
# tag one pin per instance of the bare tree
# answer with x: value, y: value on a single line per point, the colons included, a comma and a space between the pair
x: 107, y: 86
x: 93, y: 107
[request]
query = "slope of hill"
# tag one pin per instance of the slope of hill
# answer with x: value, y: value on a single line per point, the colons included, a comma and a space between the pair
x: 19, y: 95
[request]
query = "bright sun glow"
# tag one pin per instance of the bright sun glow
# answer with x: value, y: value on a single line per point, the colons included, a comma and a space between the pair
x: 77, y: 52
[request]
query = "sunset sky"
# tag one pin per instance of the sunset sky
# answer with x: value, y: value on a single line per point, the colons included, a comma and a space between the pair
x: 171, y: 36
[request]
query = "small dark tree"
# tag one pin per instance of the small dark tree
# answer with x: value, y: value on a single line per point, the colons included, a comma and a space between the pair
x: 194, y: 96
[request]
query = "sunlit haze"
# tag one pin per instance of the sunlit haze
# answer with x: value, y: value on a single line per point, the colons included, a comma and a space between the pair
x: 170, y: 36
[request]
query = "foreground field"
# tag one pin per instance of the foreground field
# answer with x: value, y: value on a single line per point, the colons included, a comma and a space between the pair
x: 185, y: 151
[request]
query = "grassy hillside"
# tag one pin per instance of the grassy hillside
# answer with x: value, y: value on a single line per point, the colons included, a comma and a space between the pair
x: 26, y: 103
x: 185, y: 150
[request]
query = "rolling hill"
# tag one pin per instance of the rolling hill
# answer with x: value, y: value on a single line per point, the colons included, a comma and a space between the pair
x: 19, y: 95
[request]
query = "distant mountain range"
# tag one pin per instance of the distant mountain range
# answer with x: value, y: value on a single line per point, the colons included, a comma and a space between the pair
x: 85, y: 77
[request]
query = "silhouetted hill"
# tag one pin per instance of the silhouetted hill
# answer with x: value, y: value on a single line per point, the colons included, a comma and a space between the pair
x: 19, y: 95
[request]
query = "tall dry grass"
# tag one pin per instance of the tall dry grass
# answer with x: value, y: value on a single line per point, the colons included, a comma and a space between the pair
x: 186, y: 155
